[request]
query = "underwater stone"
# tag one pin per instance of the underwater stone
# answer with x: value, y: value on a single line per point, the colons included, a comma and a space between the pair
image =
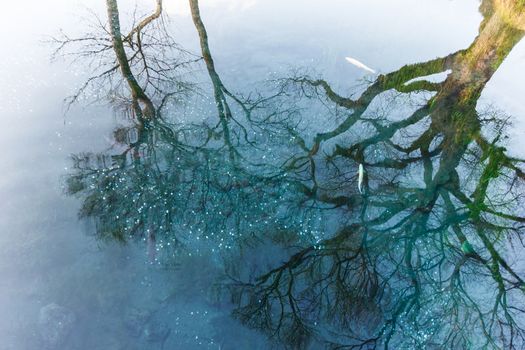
x: 157, y: 331
x: 55, y: 323
x: 135, y: 321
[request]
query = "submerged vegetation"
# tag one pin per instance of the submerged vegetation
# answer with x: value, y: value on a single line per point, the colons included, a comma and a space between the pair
x: 420, y: 255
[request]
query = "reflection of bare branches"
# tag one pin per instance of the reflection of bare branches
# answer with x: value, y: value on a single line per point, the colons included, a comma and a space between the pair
x: 417, y: 242
x: 147, y: 57
x: 138, y: 95
x: 146, y: 21
x: 419, y: 259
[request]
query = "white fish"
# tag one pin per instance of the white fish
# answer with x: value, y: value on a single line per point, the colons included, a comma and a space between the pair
x: 361, y: 177
x: 360, y: 64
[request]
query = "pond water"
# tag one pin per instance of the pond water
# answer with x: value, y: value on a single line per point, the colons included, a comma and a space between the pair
x: 246, y: 174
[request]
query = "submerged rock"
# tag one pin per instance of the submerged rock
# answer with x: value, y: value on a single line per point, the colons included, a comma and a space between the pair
x: 135, y: 320
x: 55, y: 322
x: 156, y: 331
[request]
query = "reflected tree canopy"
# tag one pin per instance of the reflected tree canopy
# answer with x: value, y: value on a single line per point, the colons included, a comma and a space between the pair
x: 389, y: 220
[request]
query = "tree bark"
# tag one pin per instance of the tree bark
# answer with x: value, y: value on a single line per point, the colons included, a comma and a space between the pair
x: 147, y: 112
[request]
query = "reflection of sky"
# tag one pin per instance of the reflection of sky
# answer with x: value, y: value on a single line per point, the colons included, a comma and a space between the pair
x: 249, y: 38
x: 379, y: 33
x: 252, y: 38
x: 181, y: 7
x: 505, y: 92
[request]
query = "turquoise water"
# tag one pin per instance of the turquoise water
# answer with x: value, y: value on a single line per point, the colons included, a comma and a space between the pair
x: 282, y: 175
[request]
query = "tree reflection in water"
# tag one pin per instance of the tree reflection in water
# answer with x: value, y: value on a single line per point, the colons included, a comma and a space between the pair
x: 424, y: 257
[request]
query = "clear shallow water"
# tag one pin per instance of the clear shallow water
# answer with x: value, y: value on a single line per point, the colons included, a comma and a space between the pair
x: 262, y: 239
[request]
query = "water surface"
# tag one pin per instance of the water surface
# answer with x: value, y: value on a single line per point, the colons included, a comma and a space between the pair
x: 257, y: 187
